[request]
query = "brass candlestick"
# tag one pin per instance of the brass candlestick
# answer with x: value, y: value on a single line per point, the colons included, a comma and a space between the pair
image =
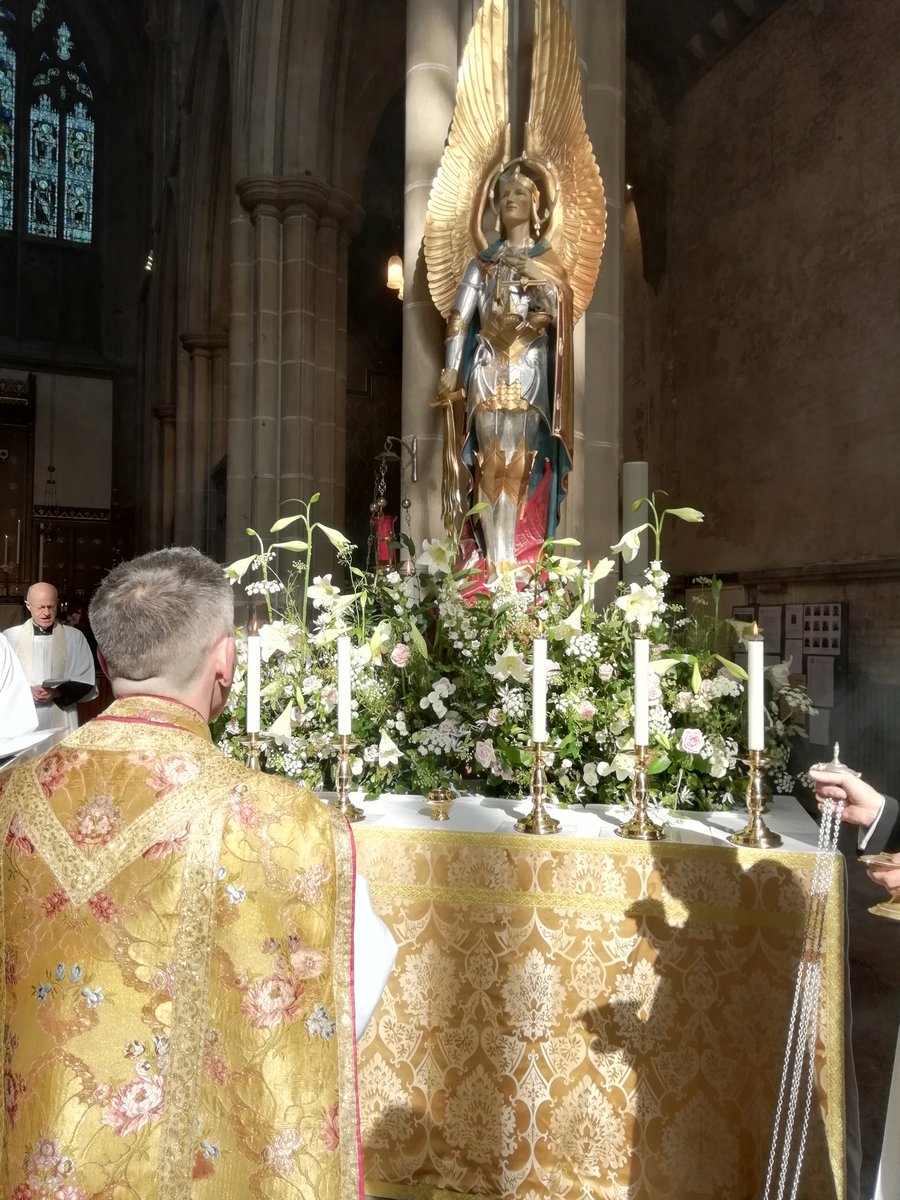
x: 756, y: 834
x: 343, y: 776
x: 255, y: 743
x: 538, y: 820
x: 640, y: 827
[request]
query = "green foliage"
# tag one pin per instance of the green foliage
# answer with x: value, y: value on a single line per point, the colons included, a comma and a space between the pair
x: 441, y: 677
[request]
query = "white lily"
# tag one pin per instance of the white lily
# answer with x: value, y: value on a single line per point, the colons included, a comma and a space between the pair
x: 277, y: 637
x: 437, y: 556
x: 509, y: 665
x: 602, y: 569
x: 380, y: 641
x: 630, y: 543
x: 640, y: 604
x: 281, y: 728
x: 322, y: 591
x: 567, y: 629
x: 388, y: 751
x: 779, y: 676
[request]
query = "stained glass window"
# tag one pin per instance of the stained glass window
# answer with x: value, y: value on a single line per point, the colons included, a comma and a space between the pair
x: 47, y: 126
x: 43, y: 176
x: 79, y: 175
x: 7, y: 131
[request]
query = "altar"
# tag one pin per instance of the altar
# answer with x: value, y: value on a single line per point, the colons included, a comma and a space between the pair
x: 581, y: 1016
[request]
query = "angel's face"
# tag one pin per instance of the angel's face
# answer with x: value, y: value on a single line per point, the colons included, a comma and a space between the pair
x: 515, y: 202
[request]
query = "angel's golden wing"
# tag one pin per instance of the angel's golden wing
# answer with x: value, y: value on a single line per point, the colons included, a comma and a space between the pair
x: 477, y: 146
x: 555, y: 135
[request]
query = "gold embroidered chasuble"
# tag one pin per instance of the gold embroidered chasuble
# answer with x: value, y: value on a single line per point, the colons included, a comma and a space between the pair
x: 177, y: 1013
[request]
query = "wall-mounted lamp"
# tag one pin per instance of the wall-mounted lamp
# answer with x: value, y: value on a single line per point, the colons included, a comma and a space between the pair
x: 395, y: 275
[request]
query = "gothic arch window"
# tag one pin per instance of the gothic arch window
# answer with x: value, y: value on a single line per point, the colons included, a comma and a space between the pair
x: 47, y: 130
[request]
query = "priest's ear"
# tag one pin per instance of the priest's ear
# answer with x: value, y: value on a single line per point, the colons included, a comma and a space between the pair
x: 223, y: 655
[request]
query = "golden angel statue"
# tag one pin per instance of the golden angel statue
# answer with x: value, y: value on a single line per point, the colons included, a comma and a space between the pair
x: 511, y: 304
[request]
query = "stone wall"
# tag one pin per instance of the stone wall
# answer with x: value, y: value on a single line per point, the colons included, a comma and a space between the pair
x: 762, y: 375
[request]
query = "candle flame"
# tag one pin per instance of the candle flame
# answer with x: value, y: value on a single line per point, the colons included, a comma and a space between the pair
x: 754, y: 630
x: 253, y: 624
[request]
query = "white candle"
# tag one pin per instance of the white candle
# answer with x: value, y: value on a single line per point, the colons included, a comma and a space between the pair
x: 641, y: 691
x: 756, y: 727
x: 539, y: 690
x: 344, y: 717
x: 254, y: 672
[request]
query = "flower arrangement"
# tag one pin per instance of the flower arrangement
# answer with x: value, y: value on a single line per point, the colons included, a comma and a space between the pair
x: 441, y: 675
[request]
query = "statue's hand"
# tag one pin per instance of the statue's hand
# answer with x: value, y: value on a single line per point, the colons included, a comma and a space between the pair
x: 448, y: 391
x: 449, y: 380
x: 530, y: 269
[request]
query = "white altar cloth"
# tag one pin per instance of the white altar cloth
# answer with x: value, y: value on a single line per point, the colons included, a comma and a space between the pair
x: 481, y: 814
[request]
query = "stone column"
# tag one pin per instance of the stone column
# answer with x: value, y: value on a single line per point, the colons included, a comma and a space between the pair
x: 206, y: 376
x: 593, y: 502
x: 183, y: 444
x: 433, y: 29
x: 163, y: 506
x: 266, y: 362
x: 287, y: 397
x: 240, y: 388
x: 218, y: 431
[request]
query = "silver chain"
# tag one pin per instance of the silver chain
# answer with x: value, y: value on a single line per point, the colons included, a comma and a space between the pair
x: 799, y: 1059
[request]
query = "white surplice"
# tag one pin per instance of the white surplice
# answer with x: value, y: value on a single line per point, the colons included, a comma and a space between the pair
x: 17, y: 711
x: 43, y: 658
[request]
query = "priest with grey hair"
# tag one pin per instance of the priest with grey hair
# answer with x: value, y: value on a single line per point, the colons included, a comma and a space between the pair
x: 56, y: 659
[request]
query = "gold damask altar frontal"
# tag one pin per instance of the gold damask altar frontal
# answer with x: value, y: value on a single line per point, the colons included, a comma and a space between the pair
x: 589, y: 1019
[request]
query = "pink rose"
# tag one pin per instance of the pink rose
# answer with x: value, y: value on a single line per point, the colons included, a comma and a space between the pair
x: 306, y: 963
x: 54, y: 768
x: 606, y: 671
x: 400, y: 654
x: 172, y: 773
x: 175, y: 842
x: 135, y: 1104
x: 279, y: 1154
x: 691, y: 741
x: 484, y: 753
x: 309, y: 883
x: 16, y: 838
x: 586, y: 711
x: 273, y: 1000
